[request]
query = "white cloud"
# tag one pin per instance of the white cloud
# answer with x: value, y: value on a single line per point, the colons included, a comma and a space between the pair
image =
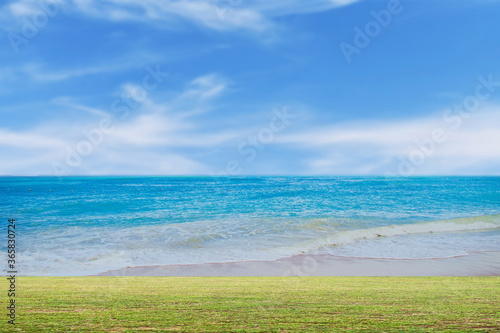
x: 23, y: 8
x: 380, y: 147
x: 12, y: 13
x: 215, y: 14
x: 28, y: 140
x: 287, y: 7
x: 117, y: 162
x: 204, y: 87
x: 158, y: 138
x: 39, y: 73
x: 168, y: 136
x: 146, y: 141
x: 255, y: 15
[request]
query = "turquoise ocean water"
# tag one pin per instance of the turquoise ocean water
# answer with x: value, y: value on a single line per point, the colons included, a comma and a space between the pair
x: 87, y: 225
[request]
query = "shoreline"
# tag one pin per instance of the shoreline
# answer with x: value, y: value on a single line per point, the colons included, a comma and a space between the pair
x: 473, y: 264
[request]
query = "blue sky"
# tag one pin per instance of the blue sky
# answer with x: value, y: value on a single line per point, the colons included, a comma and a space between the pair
x: 237, y: 87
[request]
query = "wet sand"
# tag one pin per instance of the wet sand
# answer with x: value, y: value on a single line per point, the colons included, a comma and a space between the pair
x: 474, y: 264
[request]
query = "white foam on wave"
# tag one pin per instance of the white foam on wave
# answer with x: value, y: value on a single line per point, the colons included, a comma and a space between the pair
x: 419, y: 246
x: 351, y: 237
x: 85, y: 251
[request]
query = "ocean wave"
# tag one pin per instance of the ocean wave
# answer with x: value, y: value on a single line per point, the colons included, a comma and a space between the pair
x: 84, y: 250
x: 476, y: 223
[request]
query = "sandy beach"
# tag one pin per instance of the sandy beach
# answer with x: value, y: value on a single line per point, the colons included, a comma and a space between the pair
x: 474, y: 264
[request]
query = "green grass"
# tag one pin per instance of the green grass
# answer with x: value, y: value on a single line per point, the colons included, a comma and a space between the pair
x: 256, y: 304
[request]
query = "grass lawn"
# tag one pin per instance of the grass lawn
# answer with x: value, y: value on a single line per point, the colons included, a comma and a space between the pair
x: 255, y: 304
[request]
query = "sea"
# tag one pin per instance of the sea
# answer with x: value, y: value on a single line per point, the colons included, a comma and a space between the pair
x: 69, y: 226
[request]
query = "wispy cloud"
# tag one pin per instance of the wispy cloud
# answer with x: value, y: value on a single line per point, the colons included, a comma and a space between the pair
x: 378, y: 147
x: 158, y: 140
x: 38, y: 73
x: 251, y: 15
x: 28, y: 140
x: 204, y: 87
x: 288, y: 7
x: 145, y: 142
